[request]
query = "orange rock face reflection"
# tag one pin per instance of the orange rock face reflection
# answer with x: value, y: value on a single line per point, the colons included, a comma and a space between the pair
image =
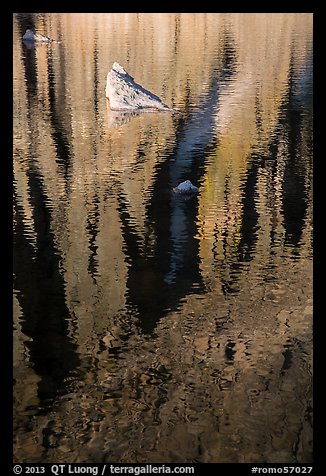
x: 150, y: 328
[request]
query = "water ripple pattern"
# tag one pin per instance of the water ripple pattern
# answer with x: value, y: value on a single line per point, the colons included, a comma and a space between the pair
x: 150, y: 326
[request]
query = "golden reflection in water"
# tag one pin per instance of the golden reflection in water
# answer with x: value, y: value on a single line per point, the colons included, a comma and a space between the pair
x: 89, y: 167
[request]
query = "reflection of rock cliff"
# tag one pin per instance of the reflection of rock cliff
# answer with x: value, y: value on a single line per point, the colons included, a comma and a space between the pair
x: 252, y: 105
x: 217, y: 381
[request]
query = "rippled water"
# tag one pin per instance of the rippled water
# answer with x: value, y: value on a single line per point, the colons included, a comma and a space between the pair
x: 149, y: 328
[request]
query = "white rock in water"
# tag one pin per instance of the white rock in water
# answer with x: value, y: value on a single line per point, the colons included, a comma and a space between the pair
x: 124, y: 93
x: 186, y: 187
x: 31, y: 36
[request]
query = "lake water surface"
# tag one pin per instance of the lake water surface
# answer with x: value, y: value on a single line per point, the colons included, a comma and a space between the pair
x: 148, y: 328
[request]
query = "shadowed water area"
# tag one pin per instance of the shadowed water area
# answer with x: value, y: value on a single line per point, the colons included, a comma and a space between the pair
x: 149, y: 327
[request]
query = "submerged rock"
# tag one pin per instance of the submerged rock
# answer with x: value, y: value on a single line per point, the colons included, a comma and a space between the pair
x: 125, y: 94
x: 32, y: 37
x: 186, y: 187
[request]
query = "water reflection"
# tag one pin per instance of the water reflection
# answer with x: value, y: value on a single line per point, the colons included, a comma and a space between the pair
x: 295, y: 200
x: 118, y: 118
x: 41, y: 296
x: 149, y: 327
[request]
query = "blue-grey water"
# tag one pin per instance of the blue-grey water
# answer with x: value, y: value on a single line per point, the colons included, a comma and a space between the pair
x: 148, y: 327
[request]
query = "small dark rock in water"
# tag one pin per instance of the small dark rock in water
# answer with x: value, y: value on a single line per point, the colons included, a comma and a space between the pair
x: 186, y: 187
